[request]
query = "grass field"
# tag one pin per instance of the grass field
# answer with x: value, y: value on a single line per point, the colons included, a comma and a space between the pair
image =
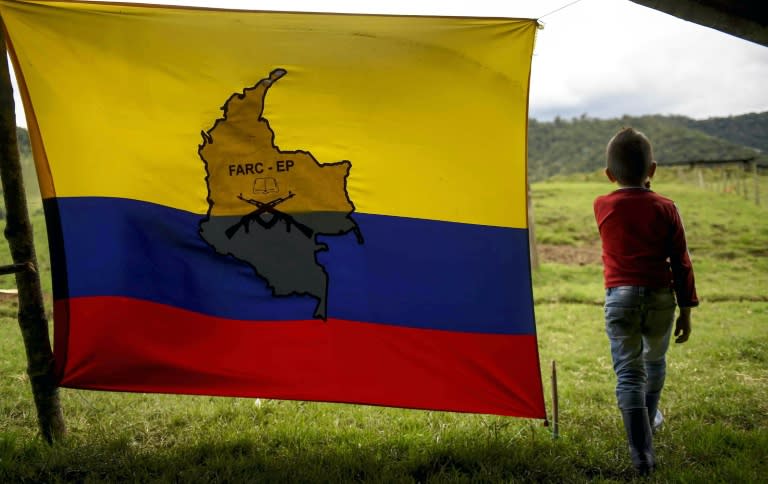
x: 715, y: 402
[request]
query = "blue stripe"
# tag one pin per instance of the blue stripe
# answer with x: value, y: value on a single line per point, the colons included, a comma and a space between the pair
x: 409, y: 272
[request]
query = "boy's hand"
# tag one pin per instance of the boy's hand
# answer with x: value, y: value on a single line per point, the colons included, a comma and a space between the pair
x: 683, y: 325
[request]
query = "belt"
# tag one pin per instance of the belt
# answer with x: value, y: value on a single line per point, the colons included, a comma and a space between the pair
x: 639, y: 290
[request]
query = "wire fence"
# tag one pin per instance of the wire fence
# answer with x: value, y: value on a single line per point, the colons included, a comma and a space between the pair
x: 744, y: 178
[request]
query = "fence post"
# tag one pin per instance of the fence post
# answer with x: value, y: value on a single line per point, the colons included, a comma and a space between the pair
x: 757, y: 182
x: 742, y: 185
x: 18, y: 231
x: 724, y: 177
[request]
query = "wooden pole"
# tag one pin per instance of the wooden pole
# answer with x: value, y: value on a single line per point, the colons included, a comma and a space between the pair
x: 757, y: 183
x: 744, y: 187
x: 555, y: 404
x: 724, y: 179
x: 18, y: 231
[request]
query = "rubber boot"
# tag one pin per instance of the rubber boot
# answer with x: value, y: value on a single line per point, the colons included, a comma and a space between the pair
x: 654, y: 415
x: 640, y: 439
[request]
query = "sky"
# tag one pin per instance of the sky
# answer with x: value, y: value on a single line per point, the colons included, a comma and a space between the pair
x: 600, y: 58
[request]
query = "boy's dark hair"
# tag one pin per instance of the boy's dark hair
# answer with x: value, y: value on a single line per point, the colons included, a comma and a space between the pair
x: 628, y: 156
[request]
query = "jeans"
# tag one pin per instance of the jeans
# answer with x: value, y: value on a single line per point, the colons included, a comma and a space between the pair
x: 638, y: 321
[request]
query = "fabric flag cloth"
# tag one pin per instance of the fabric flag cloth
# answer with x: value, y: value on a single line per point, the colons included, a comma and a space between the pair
x: 326, y: 207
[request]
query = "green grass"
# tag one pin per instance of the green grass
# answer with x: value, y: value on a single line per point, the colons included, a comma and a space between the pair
x: 715, y: 401
x: 727, y: 238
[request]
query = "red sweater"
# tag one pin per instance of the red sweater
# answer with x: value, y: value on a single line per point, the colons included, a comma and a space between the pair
x: 644, y: 243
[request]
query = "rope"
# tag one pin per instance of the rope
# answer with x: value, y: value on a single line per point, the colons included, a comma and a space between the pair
x: 560, y: 8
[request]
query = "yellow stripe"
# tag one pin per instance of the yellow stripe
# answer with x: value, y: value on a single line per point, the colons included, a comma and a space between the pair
x: 430, y: 112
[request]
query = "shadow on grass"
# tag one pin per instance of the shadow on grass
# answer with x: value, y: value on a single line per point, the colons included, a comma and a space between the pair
x: 303, y: 460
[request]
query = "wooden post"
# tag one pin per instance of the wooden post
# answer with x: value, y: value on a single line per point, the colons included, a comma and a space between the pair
x: 757, y: 182
x: 555, y: 404
x: 744, y: 188
x: 18, y: 231
x: 742, y: 185
x: 700, y: 176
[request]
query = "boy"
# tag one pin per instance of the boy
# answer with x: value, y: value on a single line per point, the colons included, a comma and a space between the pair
x: 645, y: 265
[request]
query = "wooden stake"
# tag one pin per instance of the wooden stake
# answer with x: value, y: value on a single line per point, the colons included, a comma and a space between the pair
x: 744, y: 187
x: 555, y: 404
x: 16, y: 268
x: 757, y: 183
x: 18, y: 231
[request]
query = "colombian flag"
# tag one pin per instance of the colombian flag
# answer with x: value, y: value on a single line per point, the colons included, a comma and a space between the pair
x: 285, y: 205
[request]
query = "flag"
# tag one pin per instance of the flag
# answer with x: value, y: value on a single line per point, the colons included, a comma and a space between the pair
x: 299, y: 206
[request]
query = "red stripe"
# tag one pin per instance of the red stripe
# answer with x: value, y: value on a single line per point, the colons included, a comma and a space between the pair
x: 122, y: 344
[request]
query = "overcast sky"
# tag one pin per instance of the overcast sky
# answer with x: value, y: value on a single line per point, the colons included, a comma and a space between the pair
x: 603, y: 58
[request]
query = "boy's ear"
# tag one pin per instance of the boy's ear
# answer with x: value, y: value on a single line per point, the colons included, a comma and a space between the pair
x: 610, y: 175
x: 652, y: 169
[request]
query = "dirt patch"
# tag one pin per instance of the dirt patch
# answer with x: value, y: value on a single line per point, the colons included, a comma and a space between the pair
x: 567, y: 254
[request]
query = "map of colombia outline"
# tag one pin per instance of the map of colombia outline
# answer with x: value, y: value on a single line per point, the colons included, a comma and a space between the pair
x: 266, y: 206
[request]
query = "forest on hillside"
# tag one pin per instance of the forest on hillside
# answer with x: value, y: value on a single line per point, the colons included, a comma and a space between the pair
x: 577, y: 145
x: 748, y: 130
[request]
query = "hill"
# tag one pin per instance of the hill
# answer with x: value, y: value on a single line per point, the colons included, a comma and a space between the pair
x: 22, y: 138
x: 577, y: 145
x: 747, y: 130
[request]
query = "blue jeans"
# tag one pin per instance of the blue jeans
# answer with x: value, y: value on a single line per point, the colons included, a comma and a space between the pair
x: 638, y: 321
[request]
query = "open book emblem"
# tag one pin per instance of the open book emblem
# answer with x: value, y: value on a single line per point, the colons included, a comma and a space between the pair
x: 265, y: 185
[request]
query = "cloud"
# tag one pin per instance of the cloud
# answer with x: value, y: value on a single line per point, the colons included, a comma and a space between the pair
x: 604, y: 58
x: 608, y: 58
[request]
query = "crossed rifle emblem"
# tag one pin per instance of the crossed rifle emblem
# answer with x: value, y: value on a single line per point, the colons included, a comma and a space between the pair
x: 277, y: 216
